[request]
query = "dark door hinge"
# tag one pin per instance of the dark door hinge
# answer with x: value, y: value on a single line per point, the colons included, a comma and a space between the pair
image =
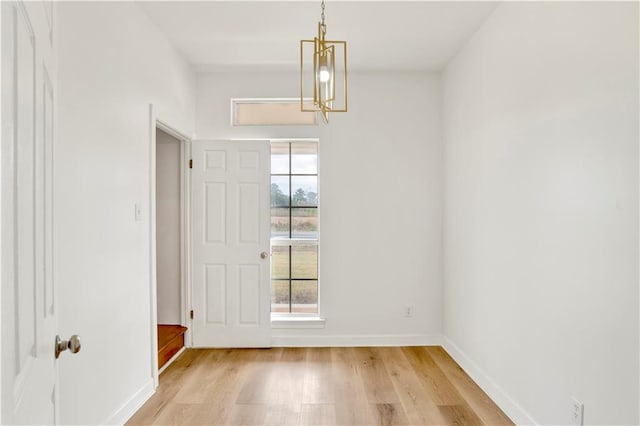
x: 191, y: 314
x: 191, y: 164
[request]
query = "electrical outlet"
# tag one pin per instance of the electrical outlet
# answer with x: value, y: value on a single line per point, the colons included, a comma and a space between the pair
x: 577, y: 412
x: 408, y: 311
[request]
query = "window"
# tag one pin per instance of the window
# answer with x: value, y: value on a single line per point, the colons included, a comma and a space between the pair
x: 270, y: 112
x: 294, y: 227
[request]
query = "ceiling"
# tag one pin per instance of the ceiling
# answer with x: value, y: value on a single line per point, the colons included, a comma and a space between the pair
x: 381, y: 35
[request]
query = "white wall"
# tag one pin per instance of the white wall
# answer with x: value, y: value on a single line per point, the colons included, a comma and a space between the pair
x: 168, y: 212
x: 540, y: 124
x: 380, y: 190
x: 110, y: 55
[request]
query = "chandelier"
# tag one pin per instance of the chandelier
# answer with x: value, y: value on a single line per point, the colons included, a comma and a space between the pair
x: 323, y: 73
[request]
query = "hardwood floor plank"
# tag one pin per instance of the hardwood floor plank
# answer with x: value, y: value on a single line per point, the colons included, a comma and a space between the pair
x: 351, y: 405
x: 176, y: 414
x: 317, y: 386
x: 433, y: 380
x: 231, y: 370
x: 247, y: 414
x: 170, y: 384
x: 212, y: 414
x: 282, y: 414
x: 389, y: 414
x: 418, y: 405
x: 318, y: 378
x: 195, y: 382
x: 374, y: 376
x: 475, y: 397
x: 222, y: 392
x: 286, y: 381
x: 460, y: 415
x: 318, y: 414
x: 256, y: 388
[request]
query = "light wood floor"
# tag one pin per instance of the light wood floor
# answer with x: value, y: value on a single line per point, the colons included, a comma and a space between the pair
x: 318, y: 386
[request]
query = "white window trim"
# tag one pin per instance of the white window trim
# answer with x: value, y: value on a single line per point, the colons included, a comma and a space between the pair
x: 297, y: 321
x: 283, y: 241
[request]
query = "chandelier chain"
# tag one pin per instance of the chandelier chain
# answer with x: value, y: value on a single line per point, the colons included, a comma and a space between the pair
x: 322, y: 14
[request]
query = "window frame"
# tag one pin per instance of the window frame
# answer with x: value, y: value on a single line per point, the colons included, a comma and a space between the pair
x: 307, y: 319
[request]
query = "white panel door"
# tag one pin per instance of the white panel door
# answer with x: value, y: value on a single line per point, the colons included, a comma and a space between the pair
x: 230, y: 257
x: 28, y: 296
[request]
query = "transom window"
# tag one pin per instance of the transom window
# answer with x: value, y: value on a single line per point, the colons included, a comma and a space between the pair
x: 294, y: 227
x: 271, y: 112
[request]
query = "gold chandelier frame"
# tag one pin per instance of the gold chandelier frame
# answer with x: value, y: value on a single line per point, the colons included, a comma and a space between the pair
x: 324, y: 57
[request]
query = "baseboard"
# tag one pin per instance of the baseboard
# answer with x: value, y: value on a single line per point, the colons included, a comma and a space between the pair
x: 305, y: 340
x: 121, y: 416
x: 507, y: 404
x: 173, y: 358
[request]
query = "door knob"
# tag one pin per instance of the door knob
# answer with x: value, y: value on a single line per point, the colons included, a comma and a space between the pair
x: 73, y: 344
x: 264, y: 255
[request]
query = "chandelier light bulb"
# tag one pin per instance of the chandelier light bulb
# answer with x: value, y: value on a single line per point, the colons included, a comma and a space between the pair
x: 324, y: 74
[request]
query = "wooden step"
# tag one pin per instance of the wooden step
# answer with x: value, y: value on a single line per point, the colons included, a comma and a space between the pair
x: 170, y: 341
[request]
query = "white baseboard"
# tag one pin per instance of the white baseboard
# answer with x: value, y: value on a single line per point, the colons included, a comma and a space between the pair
x: 507, y: 404
x: 305, y: 340
x: 129, y: 408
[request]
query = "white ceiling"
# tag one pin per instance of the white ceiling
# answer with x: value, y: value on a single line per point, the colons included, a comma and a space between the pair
x: 380, y: 35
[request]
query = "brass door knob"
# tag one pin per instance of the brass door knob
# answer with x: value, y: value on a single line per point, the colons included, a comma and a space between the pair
x: 73, y: 344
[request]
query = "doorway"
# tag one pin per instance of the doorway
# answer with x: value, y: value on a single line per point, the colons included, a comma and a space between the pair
x: 170, y: 248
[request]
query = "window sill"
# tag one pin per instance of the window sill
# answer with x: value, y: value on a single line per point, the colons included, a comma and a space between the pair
x: 281, y: 321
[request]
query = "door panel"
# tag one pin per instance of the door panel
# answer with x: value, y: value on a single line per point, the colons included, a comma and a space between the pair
x: 250, y: 294
x: 249, y: 204
x: 230, y: 225
x: 216, y: 294
x: 28, y: 291
x: 215, y: 213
